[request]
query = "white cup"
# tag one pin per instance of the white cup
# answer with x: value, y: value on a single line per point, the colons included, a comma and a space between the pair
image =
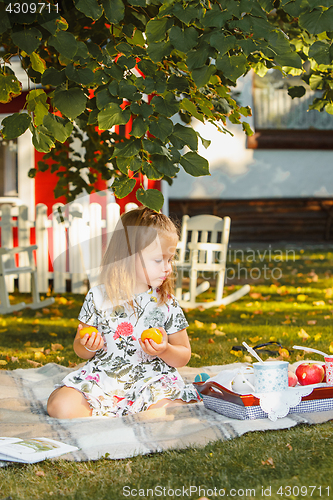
x: 271, y: 376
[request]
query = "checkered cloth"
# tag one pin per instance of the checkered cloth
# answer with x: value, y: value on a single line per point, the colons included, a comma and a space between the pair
x: 24, y: 394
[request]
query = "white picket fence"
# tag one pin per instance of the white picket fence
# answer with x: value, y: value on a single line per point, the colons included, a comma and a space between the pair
x: 72, y: 237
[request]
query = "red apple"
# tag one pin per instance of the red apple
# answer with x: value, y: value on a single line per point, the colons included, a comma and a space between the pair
x: 324, y: 379
x: 310, y: 373
x: 292, y: 379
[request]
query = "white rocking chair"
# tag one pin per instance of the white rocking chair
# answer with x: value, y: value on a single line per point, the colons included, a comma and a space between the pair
x: 8, y: 267
x: 206, y: 255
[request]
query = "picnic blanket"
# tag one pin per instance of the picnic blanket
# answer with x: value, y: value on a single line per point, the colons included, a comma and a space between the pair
x: 24, y: 394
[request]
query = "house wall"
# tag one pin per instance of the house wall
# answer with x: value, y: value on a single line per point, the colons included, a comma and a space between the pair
x: 241, y: 173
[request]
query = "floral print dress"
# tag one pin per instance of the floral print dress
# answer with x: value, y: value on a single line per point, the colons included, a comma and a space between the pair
x: 121, y: 378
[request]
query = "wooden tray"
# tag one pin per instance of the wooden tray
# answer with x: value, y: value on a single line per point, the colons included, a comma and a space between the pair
x: 211, y: 388
x: 247, y: 407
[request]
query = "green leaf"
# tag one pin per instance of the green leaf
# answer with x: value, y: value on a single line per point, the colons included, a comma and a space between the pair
x: 187, y: 13
x: 71, y: 102
x: 189, y: 106
x: 167, y: 105
x: 58, y: 127
x: 320, y: 52
x: 317, y: 21
x: 297, y: 91
x: 247, y: 129
x: 151, y: 172
x: 183, y: 40
x: 329, y: 108
x: 153, y: 146
x: 4, y: 20
x: 151, y: 198
x: 158, y: 50
x: 164, y: 165
x: 123, y: 186
x: 37, y: 63
x: 82, y: 76
x: 197, y: 58
x: 202, y: 76
x: 113, y: 115
x: 222, y: 43
x: 216, y: 18
x: 128, y: 91
x: 194, y: 164
x: 186, y: 135
x: 54, y: 77
x: 139, y: 127
x: 15, y: 125
x: 64, y: 43
x: 37, y: 104
x: 205, y: 142
x: 143, y: 109
x: 114, y: 10
x: 27, y: 39
x: 232, y: 66
x: 156, y: 29
x: 125, y: 164
x: 90, y: 8
x: 9, y: 87
x: 161, y: 128
x: 128, y: 148
x: 41, y: 141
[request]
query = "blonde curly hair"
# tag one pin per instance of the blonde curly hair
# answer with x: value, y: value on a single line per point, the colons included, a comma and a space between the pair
x: 134, y: 231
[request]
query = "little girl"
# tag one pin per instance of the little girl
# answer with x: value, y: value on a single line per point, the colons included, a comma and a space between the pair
x: 124, y: 375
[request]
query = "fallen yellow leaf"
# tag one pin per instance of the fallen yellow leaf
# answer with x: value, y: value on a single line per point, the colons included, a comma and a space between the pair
x: 61, y: 300
x: 269, y: 461
x: 303, y: 335
x: 3, y: 362
x: 238, y: 354
x: 57, y: 347
x: 331, y: 347
x: 53, y: 334
x: 195, y: 355
x: 213, y: 326
x: 34, y: 363
x: 302, y: 297
x: 255, y: 339
x: 39, y: 355
x: 317, y: 336
x: 198, y: 324
x: 319, y: 303
x: 219, y: 333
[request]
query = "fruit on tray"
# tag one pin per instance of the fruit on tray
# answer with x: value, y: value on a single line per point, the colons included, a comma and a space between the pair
x: 310, y: 373
x: 153, y: 334
x: 292, y: 379
x: 89, y: 330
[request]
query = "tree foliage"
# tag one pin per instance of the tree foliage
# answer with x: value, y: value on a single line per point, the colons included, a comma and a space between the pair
x: 96, y: 64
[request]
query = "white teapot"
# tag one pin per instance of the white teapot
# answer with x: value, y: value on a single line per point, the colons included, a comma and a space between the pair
x: 243, y: 381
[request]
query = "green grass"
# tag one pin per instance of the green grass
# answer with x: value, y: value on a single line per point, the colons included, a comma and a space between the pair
x: 301, y: 300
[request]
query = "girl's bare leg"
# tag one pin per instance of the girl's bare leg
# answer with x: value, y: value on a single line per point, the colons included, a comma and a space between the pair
x: 66, y: 402
x: 163, y: 403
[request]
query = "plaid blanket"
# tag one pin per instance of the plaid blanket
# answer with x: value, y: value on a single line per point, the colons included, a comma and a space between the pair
x: 24, y: 393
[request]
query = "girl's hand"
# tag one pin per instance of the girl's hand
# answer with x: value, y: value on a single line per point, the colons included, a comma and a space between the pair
x: 94, y: 342
x: 151, y: 347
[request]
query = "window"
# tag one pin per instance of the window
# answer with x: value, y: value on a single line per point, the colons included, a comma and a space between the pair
x: 8, y: 168
x: 281, y: 122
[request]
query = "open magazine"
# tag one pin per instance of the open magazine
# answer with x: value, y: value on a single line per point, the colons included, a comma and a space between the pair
x: 31, y: 450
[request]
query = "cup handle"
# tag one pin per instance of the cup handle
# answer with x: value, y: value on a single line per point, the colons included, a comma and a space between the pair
x: 247, y: 381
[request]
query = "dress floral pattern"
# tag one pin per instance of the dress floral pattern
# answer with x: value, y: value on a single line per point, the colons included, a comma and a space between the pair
x: 121, y: 378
